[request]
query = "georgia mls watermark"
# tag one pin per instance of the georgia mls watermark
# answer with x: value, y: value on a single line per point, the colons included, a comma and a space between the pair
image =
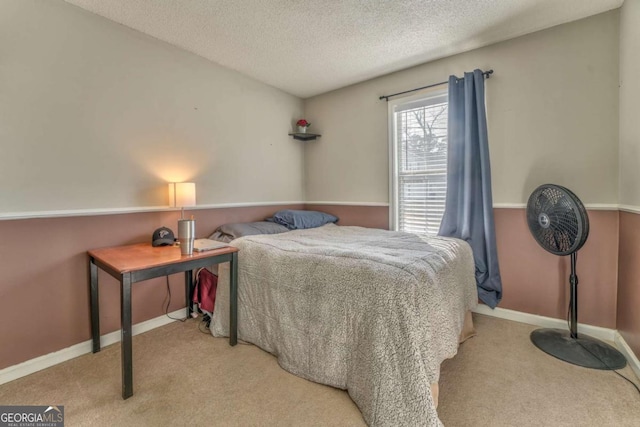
x: 31, y: 416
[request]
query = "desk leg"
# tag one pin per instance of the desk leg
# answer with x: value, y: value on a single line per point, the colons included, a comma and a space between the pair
x: 188, y: 289
x: 95, y: 306
x: 126, y: 344
x: 233, y: 300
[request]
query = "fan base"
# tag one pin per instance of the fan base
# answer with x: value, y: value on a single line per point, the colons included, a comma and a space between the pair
x: 582, y: 351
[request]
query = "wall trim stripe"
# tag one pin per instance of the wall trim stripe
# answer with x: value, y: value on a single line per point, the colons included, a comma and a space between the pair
x: 46, y: 361
x: 349, y: 203
x: 602, y: 206
x: 81, y: 212
x: 589, y: 206
x: 243, y: 205
x: 116, y: 211
x: 629, y: 208
x: 509, y: 205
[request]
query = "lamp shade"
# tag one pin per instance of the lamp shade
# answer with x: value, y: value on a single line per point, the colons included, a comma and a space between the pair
x: 182, y: 194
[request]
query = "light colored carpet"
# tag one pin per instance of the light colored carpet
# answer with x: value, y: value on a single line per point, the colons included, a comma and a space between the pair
x: 499, y: 378
x: 185, y: 377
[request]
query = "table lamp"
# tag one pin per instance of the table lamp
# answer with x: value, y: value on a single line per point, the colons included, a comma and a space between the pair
x: 183, y: 194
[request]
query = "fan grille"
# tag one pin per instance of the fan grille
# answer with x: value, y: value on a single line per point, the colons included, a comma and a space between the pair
x: 557, y: 219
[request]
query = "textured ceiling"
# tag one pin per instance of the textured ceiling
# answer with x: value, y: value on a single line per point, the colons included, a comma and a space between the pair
x: 307, y: 47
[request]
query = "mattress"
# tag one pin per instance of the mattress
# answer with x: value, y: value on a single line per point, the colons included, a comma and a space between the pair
x: 371, y: 311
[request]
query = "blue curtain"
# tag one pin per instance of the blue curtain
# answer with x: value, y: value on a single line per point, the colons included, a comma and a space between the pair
x: 468, y: 213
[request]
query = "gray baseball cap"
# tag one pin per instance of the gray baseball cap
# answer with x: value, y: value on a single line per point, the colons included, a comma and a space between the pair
x: 163, y: 236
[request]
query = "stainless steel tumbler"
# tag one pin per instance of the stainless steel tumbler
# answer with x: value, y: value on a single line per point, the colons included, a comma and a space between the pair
x: 186, y: 235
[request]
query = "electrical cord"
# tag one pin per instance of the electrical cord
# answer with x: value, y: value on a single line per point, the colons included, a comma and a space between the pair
x: 203, y: 321
x: 632, y: 383
x: 168, y: 301
x: 598, y: 357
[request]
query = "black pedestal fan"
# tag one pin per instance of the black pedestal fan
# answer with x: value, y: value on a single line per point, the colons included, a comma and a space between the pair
x: 560, y: 224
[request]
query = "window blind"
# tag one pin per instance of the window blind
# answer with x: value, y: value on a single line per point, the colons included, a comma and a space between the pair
x: 421, y: 163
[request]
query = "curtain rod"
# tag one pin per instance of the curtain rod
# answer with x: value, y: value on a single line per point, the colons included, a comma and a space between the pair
x: 386, y: 97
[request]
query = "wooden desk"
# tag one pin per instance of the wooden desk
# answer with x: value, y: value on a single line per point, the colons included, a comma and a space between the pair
x: 134, y: 263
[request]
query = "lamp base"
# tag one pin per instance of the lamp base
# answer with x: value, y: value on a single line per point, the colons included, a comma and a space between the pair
x: 582, y: 351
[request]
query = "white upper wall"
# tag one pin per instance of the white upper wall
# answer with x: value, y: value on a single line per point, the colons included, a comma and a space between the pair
x: 552, y: 107
x: 94, y: 115
x: 630, y: 104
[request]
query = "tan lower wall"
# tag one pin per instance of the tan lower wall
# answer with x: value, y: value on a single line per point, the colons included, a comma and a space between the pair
x: 44, y: 295
x: 363, y: 216
x: 536, y: 281
x: 44, y: 299
x: 629, y: 280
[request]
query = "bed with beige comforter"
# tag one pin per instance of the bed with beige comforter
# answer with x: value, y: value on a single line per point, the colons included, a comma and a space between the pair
x: 371, y: 311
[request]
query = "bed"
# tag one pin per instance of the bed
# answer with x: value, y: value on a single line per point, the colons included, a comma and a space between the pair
x: 371, y: 311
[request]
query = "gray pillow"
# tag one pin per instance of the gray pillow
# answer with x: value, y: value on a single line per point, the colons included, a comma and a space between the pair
x: 295, y: 220
x: 228, y: 232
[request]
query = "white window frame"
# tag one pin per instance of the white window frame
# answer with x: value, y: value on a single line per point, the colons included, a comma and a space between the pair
x: 393, y: 148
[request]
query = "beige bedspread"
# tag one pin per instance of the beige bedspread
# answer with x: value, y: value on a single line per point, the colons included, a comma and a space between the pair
x: 371, y: 311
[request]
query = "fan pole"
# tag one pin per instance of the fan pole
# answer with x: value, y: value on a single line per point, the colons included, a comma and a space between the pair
x: 565, y: 345
x: 574, y: 297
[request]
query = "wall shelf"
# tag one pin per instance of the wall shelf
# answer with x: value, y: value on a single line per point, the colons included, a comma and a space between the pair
x: 304, y: 136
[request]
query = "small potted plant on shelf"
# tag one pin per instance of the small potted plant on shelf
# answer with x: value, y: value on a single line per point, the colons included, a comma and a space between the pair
x: 302, y: 125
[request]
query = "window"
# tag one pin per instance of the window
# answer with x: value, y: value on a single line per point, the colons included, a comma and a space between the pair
x: 418, y: 153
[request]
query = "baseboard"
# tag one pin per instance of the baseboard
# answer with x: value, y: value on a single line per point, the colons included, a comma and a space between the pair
x: 545, y: 322
x: 39, y: 363
x: 624, y: 348
x: 606, y: 334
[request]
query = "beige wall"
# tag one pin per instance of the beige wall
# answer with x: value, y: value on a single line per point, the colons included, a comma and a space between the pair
x: 552, y: 108
x: 94, y: 115
x: 630, y: 103
x: 628, y: 315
